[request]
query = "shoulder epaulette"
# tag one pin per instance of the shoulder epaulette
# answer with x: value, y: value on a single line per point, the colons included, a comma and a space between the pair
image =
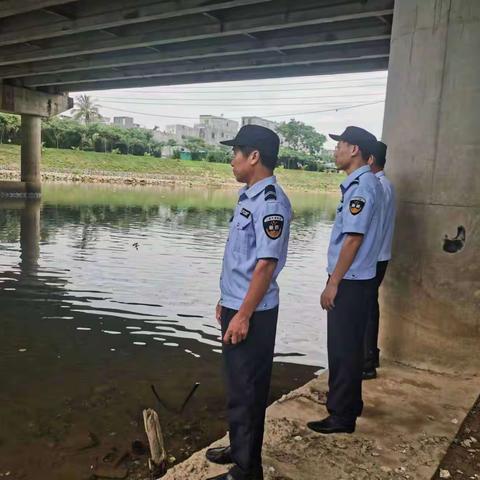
x: 270, y: 192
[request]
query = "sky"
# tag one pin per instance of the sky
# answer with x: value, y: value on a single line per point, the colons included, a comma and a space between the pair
x: 327, y: 102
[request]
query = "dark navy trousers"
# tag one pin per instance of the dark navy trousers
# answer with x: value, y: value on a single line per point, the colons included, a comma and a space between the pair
x: 248, y: 371
x: 372, y: 353
x: 345, y: 337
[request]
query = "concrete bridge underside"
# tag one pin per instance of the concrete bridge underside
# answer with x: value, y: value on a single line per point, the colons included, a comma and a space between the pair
x: 51, y: 47
x: 431, y: 297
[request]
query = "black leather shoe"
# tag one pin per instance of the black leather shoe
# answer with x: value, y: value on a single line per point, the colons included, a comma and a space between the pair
x: 220, y: 455
x: 369, y: 374
x: 331, y: 425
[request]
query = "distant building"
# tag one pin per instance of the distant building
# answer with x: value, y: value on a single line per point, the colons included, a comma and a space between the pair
x: 123, y: 122
x: 163, y: 137
x: 181, y: 132
x: 210, y: 128
x: 263, y: 122
x: 214, y: 129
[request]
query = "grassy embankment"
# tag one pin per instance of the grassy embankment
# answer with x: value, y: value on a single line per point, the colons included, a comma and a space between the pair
x: 85, y: 165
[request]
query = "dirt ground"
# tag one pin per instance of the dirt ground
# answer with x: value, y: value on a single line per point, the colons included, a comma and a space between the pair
x: 409, y: 421
x: 462, y: 460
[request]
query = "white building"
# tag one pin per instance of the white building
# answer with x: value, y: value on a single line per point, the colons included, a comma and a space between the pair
x: 181, y: 132
x: 123, y: 122
x: 214, y: 129
x: 263, y: 122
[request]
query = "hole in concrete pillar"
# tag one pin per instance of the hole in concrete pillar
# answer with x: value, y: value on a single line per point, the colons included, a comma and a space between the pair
x: 455, y: 244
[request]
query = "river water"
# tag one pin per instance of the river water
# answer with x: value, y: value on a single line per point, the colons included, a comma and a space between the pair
x: 107, y: 291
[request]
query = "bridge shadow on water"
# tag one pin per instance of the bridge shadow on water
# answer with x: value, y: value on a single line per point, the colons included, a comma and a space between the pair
x: 84, y: 338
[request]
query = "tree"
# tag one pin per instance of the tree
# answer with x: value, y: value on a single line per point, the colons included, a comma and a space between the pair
x: 300, y: 136
x: 197, y: 147
x: 56, y: 129
x: 86, y: 110
x: 9, y: 126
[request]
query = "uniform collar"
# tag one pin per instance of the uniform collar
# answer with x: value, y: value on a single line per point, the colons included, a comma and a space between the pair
x: 258, y: 187
x: 379, y: 174
x: 353, y: 176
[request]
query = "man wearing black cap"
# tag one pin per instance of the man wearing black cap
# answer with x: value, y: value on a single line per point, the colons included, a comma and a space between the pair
x: 247, y: 311
x: 352, y: 259
x: 372, y: 353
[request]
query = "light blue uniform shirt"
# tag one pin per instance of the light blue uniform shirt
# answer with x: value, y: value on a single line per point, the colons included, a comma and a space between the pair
x: 259, y: 229
x: 389, y: 220
x: 360, y: 211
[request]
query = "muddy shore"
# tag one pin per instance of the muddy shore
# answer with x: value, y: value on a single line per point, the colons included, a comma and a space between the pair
x: 410, y: 419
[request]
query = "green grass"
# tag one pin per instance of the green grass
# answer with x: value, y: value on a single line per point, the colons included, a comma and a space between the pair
x: 205, y: 173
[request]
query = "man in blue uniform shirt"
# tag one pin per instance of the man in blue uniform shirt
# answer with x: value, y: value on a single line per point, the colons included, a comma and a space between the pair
x: 372, y: 353
x: 255, y: 253
x: 352, y: 259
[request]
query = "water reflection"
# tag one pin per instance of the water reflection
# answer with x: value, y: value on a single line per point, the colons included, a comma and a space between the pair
x: 105, y: 291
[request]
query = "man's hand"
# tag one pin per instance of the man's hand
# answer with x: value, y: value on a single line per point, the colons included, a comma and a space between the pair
x: 237, y: 329
x: 327, y: 299
x: 218, y: 313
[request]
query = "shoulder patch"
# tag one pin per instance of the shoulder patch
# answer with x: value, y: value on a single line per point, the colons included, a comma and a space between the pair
x: 246, y: 213
x: 273, y: 226
x: 356, y: 205
x: 270, y: 192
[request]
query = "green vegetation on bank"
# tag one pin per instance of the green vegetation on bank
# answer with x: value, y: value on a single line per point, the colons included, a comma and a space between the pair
x: 303, y: 148
x: 198, y: 172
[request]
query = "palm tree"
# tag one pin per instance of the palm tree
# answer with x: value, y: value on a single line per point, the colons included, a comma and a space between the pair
x: 86, y: 109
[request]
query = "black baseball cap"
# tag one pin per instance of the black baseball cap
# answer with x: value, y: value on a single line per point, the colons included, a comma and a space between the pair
x: 266, y: 141
x: 380, y: 152
x: 365, y: 140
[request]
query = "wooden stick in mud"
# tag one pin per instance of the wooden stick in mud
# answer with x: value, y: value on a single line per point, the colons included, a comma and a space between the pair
x: 157, y: 462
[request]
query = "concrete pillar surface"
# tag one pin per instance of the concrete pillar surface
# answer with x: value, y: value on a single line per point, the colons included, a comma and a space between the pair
x: 431, y: 297
x: 31, y: 151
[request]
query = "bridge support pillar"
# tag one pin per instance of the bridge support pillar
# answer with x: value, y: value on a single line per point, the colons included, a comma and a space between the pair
x: 431, y: 296
x: 32, y: 105
x: 31, y: 152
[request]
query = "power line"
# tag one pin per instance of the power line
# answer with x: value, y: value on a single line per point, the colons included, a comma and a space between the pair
x: 229, y: 105
x: 329, y: 110
x: 263, y: 116
x: 187, y: 101
x: 210, y: 86
x: 368, y: 85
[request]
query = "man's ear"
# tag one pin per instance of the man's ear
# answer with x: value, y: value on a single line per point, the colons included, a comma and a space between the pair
x: 371, y: 160
x: 355, y: 150
x: 254, y: 158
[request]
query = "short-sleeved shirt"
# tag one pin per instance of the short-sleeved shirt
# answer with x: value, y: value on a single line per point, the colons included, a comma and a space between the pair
x: 389, y: 218
x: 360, y: 212
x: 259, y: 229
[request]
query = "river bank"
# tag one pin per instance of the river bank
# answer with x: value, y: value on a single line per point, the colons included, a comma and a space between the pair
x: 94, y: 167
x: 410, y: 419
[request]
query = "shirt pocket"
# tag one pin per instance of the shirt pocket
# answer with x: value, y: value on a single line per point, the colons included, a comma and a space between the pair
x: 244, y: 235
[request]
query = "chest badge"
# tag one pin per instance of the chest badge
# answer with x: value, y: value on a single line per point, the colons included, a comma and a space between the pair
x: 356, y: 205
x: 273, y: 226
